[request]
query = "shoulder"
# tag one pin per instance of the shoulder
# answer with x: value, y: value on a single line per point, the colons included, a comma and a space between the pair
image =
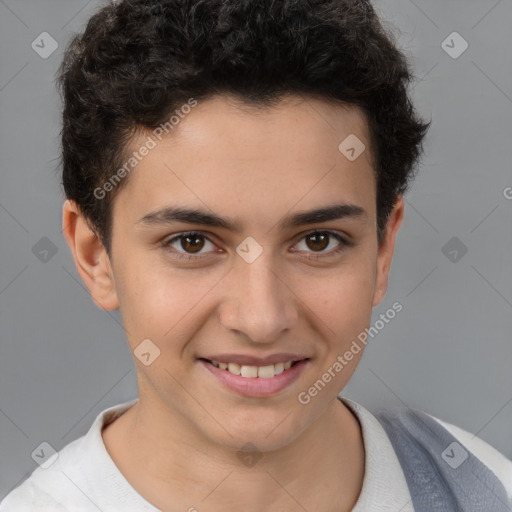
x: 74, y: 478
x: 57, y: 485
x: 28, y: 497
x: 39, y: 490
x: 497, y: 462
x: 448, y: 444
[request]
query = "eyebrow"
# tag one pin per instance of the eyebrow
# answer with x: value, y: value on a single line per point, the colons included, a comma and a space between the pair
x: 171, y: 214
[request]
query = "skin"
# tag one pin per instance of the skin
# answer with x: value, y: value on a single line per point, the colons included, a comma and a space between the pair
x: 178, y: 445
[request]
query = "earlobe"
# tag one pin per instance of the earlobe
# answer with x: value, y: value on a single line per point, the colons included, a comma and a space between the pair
x: 386, y: 250
x: 91, y: 259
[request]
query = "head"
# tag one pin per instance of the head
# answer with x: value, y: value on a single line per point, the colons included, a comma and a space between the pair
x: 252, y: 113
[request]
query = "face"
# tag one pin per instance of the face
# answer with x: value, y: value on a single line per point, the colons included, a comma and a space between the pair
x: 252, y: 280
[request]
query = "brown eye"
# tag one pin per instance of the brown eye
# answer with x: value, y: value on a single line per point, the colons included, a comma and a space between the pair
x: 322, y: 244
x: 189, y: 243
x: 192, y: 243
x: 317, y: 241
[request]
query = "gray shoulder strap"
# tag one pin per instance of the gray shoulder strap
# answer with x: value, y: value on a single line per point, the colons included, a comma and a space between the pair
x: 441, y: 474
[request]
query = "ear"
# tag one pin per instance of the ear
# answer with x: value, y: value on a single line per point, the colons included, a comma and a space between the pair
x: 386, y: 249
x: 91, y: 258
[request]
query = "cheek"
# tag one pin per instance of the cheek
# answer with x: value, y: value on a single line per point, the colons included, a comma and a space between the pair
x: 343, y: 299
x: 344, y: 307
x: 160, y: 303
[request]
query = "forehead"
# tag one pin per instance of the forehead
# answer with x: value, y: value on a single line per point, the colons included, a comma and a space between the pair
x: 232, y: 157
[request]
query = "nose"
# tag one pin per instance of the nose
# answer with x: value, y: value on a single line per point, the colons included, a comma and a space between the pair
x: 258, y: 302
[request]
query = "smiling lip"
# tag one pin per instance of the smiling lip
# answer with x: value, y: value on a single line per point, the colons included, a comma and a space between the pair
x: 256, y: 386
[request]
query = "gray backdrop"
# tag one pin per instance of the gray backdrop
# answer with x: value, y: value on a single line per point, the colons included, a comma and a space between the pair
x: 448, y: 352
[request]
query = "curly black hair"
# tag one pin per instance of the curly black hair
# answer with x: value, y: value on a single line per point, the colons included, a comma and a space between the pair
x: 137, y: 61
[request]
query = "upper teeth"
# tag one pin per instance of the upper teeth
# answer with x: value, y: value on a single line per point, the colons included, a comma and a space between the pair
x: 265, y: 372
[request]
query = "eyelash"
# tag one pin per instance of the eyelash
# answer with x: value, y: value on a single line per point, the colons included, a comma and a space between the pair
x: 344, y: 244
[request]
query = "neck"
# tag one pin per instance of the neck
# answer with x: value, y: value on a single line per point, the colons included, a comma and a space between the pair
x: 321, y: 470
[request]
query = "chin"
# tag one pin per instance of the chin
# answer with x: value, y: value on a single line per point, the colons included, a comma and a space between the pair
x: 264, y: 435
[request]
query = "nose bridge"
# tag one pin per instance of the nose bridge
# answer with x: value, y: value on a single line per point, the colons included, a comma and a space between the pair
x: 258, y: 302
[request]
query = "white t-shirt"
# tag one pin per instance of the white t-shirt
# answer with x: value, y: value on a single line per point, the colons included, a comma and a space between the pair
x: 83, y: 477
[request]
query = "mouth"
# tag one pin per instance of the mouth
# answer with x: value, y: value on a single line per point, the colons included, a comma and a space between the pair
x: 255, y: 381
